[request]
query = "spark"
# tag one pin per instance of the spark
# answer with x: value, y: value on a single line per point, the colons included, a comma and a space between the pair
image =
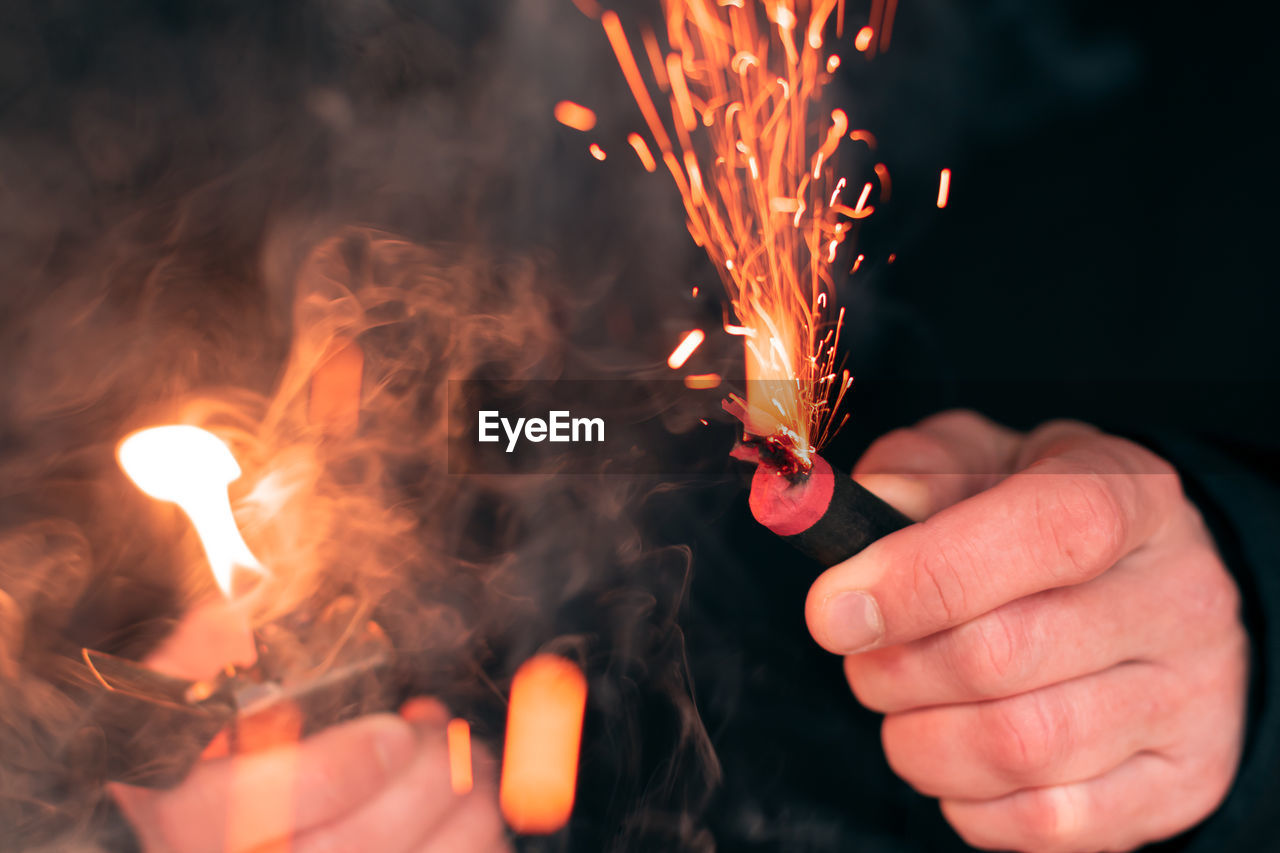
x: 862, y: 40
x: 944, y: 188
x: 575, y: 116
x: 544, y: 738
x: 833, y: 62
x: 642, y: 151
x: 702, y: 381
x: 458, y: 734
x: 597, y: 152
x: 681, y: 354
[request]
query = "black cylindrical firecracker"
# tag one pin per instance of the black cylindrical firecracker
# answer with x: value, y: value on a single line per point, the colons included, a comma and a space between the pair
x: 824, y: 514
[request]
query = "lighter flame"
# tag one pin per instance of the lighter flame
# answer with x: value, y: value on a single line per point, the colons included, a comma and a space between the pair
x: 192, y: 468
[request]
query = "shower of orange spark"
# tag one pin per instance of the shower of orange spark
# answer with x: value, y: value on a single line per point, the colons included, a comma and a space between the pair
x: 944, y: 188
x: 756, y: 180
x: 575, y: 116
x: 681, y: 354
x: 597, y: 152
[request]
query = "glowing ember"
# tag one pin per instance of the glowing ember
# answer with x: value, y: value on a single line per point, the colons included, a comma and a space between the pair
x: 756, y: 182
x: 642, y: 151
x: 862, y: 40
x: 944, y: 188
x: 681, y: 354
x: 192, y: 468
x: 575, y: 116
x: 702, y: 381
x: 597, y: 152
x: 459, y: 738
x: 544, y: 736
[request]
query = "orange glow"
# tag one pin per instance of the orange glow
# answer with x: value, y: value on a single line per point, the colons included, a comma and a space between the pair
x: 681, y: 354
x: 334, y: 404
x: 862, y: 40
x: 944, y: 188
x: 544, y: 736
x: 886, y: 183
x: 575, y: 116
x: 459, y: 737
x: 597, y: 152
x: 590, y: 8
x: 192, y: 468
x: 642, y: 151
x: 833, y: 62
x: 886, y: 29
x: 702, y: 381
x: 757, y: 186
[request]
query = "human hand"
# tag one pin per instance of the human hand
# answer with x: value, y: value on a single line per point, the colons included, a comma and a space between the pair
x: 380, y: 782
x: 1057, y: 647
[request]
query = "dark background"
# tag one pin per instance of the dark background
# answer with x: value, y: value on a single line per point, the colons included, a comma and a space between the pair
x: 1107, y: 254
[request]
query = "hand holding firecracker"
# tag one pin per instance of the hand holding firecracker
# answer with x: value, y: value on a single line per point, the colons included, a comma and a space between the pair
x: 1057, y: 645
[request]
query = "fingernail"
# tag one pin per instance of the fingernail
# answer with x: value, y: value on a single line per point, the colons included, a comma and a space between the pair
x: 392, y: 744
x: 853, y: 622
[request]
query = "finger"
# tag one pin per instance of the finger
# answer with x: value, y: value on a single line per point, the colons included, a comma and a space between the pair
x: 1147, y: 798
x: 939, y: 461
x: 1062, y: 521
x: 1065, y: 733
x: 317, y: 780
x: 406, y: 810
x: 476, y: 824
x: 1156, y: 602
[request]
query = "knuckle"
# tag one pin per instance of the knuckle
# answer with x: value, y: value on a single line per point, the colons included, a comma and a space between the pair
x: 870, y: 680
x: 989, y: 655
x: 898, y: 738
x: 1082, y: 519
x: 936, y: 585
x: 1048, y: 819
x: 1026, y: 737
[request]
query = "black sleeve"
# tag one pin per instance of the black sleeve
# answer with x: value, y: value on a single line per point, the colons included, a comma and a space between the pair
x: 1238, y: 492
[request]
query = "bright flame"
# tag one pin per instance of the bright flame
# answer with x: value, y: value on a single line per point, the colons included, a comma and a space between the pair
x: 192, y: 468
x: 757, y: 190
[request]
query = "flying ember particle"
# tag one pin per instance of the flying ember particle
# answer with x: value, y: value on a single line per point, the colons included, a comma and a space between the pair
x: 544, y: 738
x: 642, y: 151
x: 702, y: 381
x: 575, y: 116
x: 862, y: 40
x: 944, y: 188
x: 458, y: 736
x: 681, y: 354
x: 597, y: 152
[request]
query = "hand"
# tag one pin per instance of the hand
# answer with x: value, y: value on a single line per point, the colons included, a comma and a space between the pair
x: 1057, y: 648
x: 376, y: 783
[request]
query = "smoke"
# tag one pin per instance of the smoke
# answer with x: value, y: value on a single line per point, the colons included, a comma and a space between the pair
x: 196, y: 205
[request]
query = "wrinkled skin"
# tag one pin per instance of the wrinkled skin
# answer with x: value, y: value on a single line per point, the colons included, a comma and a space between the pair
x: 1056, y: 647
